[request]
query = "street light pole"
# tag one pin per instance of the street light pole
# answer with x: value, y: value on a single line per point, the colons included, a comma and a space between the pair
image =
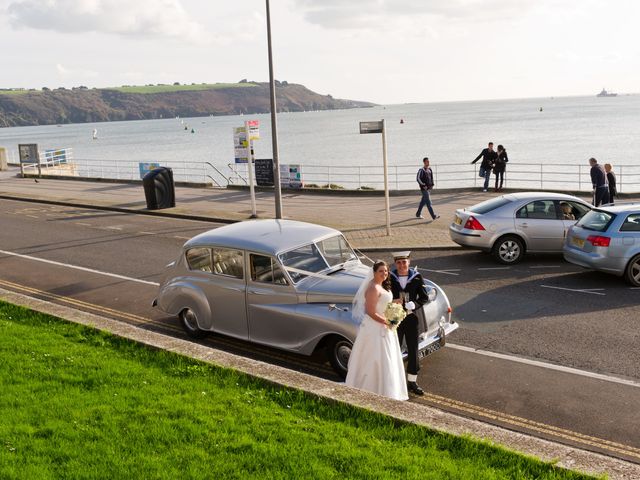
x: 274, y: 127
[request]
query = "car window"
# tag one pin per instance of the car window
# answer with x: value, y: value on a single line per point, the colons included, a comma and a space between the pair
x: 336, y: 250
x: 578, y: 210
x: 306, y: 258
x: 199, y: 259
x: 631, y: 223
x: 539, y: 209
x: 227, y: 261
x: 596, y: 220
x: 266, y: 269
x: 489, y: 205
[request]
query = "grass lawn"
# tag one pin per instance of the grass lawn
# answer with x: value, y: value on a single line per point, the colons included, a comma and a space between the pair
x: 179, y: 88
x: 77, y: 403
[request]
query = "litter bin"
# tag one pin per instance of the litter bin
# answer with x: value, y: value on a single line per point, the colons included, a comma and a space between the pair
x: 159, y: 190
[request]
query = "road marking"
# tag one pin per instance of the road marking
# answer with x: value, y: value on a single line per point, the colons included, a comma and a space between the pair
x: 570, y: 435
x: 76, y: 267
x: 593, y: 291
x: 451, y: 271
x: 112, y: 228
x: 83, y: 224
x: 31, y: 216
x: 146, y: 233
x: 546, y: 266
x: 549, y: 366
x: 494, y: 268
x: 182, y: 238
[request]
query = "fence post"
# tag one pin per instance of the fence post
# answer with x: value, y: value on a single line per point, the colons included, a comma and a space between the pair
x: 579, y: 178
x: 620, y: 183
x: 541, y: 182
x: 329, y: 177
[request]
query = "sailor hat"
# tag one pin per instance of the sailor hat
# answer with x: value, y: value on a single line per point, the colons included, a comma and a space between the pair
x: 401, y: 255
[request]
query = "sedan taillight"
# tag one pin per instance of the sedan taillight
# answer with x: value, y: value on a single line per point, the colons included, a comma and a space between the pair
x: 598, y: 240
x: 473, y: 224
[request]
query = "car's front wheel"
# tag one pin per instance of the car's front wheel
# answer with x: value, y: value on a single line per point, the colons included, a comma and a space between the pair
x: 632, y: 272
x: 508, y: 250
x: 339, y: 351
x: 189, y: 321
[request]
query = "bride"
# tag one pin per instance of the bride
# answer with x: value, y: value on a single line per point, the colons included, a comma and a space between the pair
x: 375, y: 363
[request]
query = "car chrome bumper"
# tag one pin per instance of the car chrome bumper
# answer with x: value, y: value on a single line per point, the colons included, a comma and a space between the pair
x: 433, y: 343
x: 475, y: 240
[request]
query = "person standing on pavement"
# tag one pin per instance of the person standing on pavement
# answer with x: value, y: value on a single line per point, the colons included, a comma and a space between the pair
x: 488, y: 156
x: 407, y: 287
x: 611, y: 179
x: 425, y: 181
x: 599, y: 182
x: 500, y: 166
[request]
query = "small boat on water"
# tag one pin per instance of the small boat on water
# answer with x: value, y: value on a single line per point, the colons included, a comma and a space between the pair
x: 604, y: 93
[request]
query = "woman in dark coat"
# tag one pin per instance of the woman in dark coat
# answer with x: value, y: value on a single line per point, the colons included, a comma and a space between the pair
x: 500, y: 166
x: 611, y: 179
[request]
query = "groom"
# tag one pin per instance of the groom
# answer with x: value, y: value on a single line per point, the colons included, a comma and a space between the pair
x: 407, y: 286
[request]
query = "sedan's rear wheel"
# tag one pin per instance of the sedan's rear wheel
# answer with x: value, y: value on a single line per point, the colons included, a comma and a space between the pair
x: 189, y: 321
x: 339, y: 351
x: 508, y: 250
x: 632, y: 272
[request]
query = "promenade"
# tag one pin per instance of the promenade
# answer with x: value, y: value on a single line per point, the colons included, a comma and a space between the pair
x: 360, y: 216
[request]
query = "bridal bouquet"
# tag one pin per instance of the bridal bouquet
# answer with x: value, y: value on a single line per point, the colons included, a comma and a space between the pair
x: 394, y: 313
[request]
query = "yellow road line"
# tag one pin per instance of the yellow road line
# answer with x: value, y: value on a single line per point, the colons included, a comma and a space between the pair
x: 570, y: 435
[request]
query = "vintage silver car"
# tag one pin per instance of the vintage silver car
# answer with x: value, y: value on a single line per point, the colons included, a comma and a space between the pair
x: 281, y: 283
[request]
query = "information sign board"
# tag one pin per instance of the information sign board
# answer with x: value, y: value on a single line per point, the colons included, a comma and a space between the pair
x: 371, y: 127
x: 28, y: 153
x: 264, y: 172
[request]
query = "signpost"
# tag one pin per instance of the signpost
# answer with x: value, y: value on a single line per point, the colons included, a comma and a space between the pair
x: 28, y: 153
x: 378, y: 127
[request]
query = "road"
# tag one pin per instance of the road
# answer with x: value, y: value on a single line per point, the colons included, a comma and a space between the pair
x: 543, y: 347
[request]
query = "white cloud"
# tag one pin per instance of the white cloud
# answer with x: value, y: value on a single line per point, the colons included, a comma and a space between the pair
x: 155, y: 18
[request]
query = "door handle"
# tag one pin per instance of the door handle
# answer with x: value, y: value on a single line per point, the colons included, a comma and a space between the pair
x: 258, y: 292
x: 524, y: 225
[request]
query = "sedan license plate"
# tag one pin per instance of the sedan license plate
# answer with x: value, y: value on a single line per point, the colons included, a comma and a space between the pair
x: 458, y: 220
x: 578, y: 242
x: 434, y: 347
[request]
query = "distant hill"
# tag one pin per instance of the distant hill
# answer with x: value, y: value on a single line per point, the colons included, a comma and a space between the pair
x: 82, y: 105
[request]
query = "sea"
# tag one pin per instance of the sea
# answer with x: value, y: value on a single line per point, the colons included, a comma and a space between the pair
x: 536, y: 131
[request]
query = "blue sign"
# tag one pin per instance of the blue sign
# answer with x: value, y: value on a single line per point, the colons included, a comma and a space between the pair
x: 146, y: 168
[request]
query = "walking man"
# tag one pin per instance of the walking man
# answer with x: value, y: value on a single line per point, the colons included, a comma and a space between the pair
x: 599, y: 182
x: 425, y: 181
x: 407, y: 287
x: 489, y: 156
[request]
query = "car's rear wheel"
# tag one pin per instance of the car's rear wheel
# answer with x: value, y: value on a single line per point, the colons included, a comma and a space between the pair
x: 189, y: 321
x: 632, y: 272
x: 508, y: 249
x: 339, y: 351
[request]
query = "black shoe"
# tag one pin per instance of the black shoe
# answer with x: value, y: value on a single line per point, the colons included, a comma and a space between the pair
x: 436, y: 217
x: 415, y: 388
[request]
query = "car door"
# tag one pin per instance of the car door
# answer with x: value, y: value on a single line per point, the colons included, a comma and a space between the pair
x: 271, y: 304
x: 538, y: 223
x: 225, y: 289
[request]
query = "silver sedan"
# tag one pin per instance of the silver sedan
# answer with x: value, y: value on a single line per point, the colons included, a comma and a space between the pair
x: 607, y: 239
x: 512, y: 224
x: 281, y: 283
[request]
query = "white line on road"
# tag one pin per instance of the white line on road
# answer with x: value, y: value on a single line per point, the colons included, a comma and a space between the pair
x: 594, y: 291
x: 550, y: 366
x: 494, y: 268
x: 545, y: 266
x: 83, y: 224
x: 446, y: 272
x: 76, y: 267
x: 146, y: 233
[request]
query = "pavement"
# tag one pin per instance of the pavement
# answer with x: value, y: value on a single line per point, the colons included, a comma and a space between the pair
x: 361, y: 217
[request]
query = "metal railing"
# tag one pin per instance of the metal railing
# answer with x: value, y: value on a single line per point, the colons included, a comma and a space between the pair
x: 543, y: 176
x: 567, y: 177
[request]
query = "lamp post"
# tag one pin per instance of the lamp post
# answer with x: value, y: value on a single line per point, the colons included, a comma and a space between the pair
x: 274, y: 126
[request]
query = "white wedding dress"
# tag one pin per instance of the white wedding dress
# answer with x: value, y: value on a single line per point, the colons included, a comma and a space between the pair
x: 375, y: 364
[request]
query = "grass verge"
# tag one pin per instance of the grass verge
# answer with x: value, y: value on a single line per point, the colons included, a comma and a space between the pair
x: 179, y: 88
x: 79, y: 403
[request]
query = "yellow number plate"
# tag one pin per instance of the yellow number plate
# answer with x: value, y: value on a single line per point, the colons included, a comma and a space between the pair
x: 578, y: 242
x: 458, y: 220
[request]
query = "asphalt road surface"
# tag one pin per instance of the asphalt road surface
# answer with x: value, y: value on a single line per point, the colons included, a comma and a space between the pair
x: 543, y: 347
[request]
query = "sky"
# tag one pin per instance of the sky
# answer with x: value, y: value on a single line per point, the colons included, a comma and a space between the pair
x: 383, y: 51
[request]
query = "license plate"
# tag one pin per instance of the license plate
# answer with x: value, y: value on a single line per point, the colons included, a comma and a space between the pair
x: 578, y: 242
x: 434, y: 347
x: 458, y: 220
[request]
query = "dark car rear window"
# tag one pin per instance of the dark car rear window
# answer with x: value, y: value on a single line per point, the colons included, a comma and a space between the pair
x: 596, y: 220
x: 489, y: 205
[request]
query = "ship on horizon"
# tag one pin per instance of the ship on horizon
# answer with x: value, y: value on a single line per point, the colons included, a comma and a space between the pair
x: 604, y: 93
